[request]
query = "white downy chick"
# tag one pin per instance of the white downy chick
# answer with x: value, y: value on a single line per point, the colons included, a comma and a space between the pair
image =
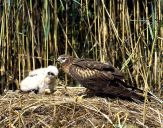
x: 42, y: 79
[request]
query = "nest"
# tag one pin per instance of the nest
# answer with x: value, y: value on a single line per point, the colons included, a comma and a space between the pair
x: 65, y: 108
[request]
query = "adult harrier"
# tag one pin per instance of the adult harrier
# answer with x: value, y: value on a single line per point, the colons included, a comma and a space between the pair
x: 99, y: 78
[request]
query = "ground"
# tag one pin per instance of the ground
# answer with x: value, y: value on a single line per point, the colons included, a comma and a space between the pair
x: 65, y: 109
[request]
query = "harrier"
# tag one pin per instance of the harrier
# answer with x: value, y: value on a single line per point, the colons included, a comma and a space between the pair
x: 41, y: 80
x: 99, y: 78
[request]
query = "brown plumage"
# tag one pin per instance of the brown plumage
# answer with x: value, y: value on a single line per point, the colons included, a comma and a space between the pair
x: 101, y: 78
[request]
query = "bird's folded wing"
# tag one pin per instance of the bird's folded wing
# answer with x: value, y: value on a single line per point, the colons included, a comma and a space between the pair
x: 101, y: 67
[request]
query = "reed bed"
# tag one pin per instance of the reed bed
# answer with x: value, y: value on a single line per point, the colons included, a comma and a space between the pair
x: 34, y: 33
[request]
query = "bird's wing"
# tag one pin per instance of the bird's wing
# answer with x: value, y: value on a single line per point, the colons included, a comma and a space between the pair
x: 103, y: 82
x: 104, y: 68
x: 87, y: 74
x: 102, y: 78
x: 35, y: 72
x: 96, y: 71
x: 91, y: 79
x: 31, y: 83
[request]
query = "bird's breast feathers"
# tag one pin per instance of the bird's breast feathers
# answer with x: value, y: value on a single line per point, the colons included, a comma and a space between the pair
x: 66, y: 68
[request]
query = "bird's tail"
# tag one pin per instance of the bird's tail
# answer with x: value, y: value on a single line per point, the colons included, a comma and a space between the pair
x: 138, y: 94
x: 131, y: 92
x: 155, y: 97
x: 137, y: 97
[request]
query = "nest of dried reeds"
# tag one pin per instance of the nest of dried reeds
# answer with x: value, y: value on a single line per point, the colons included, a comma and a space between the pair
x: 65, y: 109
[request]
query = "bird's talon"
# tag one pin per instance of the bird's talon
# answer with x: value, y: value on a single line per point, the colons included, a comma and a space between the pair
x: 79, y: 98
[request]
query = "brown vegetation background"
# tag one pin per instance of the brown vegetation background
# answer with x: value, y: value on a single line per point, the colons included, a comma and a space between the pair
x: 129, y: 33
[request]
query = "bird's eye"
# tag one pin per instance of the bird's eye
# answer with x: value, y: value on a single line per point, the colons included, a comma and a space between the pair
x: 51, y: 74
x: 63, y: 58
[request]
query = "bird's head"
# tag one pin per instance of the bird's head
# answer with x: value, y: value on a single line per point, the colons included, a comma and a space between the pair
x: 63, y: 59
x: 52, y: 71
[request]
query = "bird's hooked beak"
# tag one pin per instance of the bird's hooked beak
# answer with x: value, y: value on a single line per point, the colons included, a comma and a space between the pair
x: 58, y: 60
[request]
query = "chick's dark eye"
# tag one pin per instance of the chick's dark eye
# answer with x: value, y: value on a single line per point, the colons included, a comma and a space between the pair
x: 50, y: 73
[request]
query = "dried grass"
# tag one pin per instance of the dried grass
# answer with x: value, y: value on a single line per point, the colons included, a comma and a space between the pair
x: 65, y: 109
